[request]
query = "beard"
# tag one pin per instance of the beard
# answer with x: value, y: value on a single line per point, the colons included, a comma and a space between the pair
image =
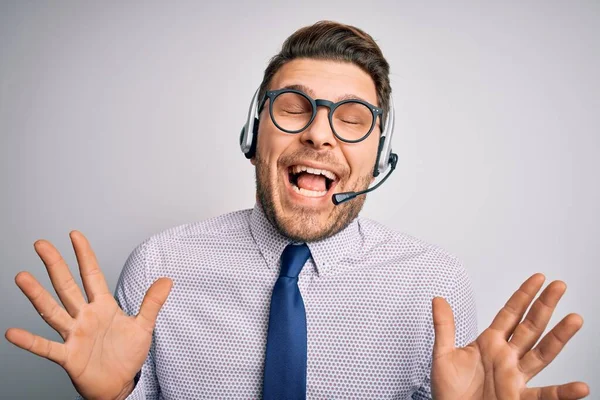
x: 302, y: 223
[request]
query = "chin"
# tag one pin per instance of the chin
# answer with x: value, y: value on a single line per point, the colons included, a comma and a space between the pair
x: 301, y: 223
x: 304, y: 225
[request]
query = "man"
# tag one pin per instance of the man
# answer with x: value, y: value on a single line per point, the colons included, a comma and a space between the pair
x: 298, y: 297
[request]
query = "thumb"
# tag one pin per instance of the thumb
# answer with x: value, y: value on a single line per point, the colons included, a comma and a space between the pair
x: 443, y: 325
x: 153, y: 301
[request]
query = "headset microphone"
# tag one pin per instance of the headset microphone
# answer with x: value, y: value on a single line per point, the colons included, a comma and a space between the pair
x: 339, y: 198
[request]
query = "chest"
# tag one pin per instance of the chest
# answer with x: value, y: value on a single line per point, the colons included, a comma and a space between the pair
x: 365, y: 338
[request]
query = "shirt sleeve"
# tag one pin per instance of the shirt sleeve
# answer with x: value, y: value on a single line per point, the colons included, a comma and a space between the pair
x: 462, y: 302
x: 131, y: 288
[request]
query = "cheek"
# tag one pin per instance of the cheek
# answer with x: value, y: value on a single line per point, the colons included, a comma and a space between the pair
x: 266, y: 144
x: 362, y: 158
x: 271, y: 144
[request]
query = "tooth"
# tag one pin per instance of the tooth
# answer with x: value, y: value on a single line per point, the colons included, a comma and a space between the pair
x: 296, y: 169
x: 311, y: 193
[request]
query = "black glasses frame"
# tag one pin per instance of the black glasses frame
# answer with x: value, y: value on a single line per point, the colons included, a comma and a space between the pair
x: 273, y: 94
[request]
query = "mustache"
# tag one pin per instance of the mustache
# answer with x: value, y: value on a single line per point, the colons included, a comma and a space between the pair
x: 306, y: 153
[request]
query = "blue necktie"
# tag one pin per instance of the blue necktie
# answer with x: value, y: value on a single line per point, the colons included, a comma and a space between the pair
x: 285, y: 360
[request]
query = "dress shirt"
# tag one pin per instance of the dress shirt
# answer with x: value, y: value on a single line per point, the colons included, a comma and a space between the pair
x: 367, y: 292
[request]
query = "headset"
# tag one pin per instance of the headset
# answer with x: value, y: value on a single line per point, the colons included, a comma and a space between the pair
x: 386, y: 160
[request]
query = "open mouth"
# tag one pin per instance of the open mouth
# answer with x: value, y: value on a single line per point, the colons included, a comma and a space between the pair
x: 311, y: 182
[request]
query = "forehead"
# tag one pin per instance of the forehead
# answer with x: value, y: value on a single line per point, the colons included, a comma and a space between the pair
x: 326, y: 79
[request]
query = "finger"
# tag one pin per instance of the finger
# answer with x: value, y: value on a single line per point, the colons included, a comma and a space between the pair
x: 529, y: 331
x: 37, y: 345
x: 551, y: 344
x: 568, y: 391
x: 44, y: 303
x: 92, y: 277
x: 511, y: 314
x: 65, y: 286
x: 153, y: 301
x: 444, y: 328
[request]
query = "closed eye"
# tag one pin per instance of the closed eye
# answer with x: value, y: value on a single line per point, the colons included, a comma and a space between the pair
x: 292, y: 112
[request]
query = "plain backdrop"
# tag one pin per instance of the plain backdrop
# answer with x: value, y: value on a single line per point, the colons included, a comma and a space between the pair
x: 121, y: 119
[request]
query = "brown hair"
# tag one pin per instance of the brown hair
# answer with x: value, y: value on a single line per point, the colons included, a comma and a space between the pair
x: 328, y: 40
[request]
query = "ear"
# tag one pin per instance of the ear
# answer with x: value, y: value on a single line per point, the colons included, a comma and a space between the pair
x: 253, y: 161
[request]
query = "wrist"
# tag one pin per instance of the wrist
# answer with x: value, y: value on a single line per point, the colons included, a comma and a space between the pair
x: 127, y: 389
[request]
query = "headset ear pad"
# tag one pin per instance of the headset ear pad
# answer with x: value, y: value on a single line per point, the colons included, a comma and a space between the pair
x: 252, y: 150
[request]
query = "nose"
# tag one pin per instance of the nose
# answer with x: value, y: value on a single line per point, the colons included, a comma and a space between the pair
x: 319, y: 134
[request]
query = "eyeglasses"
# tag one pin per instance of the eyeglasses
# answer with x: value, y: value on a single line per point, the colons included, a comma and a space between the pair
x: 293, y: 111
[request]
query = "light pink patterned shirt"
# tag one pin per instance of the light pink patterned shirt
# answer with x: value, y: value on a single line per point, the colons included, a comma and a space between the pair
x: 367, y: 292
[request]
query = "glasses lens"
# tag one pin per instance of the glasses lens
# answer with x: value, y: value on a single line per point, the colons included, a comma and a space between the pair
x: 292, y: 111
x: 352, y: 120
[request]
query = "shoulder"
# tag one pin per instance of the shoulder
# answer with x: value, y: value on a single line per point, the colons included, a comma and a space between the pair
x: 383, y: 238
x: 411, y: 255
x: 230, y: 227
x: 225, y: 226
x: 221, y: 226
x: 175, y: 245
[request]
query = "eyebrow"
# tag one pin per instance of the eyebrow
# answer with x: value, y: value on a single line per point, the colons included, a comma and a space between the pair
x: 311, y: 93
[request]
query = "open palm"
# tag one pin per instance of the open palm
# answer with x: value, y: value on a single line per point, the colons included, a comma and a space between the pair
x: 500, y: 362
x: 103, y: 348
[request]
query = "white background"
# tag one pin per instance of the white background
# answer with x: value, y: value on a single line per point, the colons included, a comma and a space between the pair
x: 122, y: 119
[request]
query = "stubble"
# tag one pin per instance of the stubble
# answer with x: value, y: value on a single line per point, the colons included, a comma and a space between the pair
x: 303, y: 224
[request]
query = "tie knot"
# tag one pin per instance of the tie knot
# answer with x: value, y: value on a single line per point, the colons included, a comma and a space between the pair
x: 293, y: 259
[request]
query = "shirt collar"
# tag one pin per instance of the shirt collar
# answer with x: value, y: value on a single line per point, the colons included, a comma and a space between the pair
x: 328, y: 254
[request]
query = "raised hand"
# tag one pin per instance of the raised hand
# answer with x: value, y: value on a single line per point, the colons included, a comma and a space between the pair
x: 103, y: 348
x: 500, y: 362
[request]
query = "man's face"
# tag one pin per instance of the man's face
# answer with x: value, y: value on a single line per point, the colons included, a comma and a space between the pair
x: 299, y: 203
